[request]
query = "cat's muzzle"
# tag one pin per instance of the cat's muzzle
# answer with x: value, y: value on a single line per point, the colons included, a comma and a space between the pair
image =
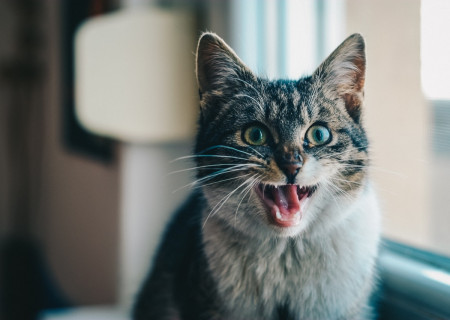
x: 286, y: 203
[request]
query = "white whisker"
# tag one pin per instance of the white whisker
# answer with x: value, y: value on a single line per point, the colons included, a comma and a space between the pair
x: 252, y: 87
x: 223, y: 180
x: 346, y: 181
x: 338, y: 191
x: 211, y: 176
x: 253, y: 99
x: 220, y: 204
x: 207, y: 156
x: 348, y: 165
x: 230, y: 148
x: 347, y: 151
x: 247, y: 190
x: 256, y: 151
x: 218, y: 166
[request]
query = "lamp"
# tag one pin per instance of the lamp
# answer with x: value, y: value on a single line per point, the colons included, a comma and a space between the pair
x: 134, y: 75
x: 135, y: 83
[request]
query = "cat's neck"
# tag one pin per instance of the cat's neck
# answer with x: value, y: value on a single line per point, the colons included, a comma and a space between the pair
x: 240, y: 264
x: 217, y: 232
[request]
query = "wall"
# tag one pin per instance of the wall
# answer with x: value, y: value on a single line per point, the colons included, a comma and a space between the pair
x: 6, y: 46
x: 78, y: 214
x: 397, y: 114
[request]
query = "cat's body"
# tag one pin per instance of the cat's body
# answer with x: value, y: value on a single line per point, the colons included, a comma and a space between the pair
x: 286, y: 224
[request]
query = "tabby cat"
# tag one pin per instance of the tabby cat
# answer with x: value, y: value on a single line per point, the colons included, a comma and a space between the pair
x: 285, y: 223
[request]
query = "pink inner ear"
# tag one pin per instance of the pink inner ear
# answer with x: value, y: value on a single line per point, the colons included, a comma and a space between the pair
x: 359, y: 76
x: 353, y: 103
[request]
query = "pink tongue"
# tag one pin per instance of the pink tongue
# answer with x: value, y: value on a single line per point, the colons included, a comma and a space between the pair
x: 286, y: 199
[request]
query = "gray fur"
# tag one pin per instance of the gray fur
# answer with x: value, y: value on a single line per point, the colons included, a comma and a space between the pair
x: 324, y: 273
x: 323, y: 269
x: 250, y: 267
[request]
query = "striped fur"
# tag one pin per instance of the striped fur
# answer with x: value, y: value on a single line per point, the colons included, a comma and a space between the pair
x: 245, y: 266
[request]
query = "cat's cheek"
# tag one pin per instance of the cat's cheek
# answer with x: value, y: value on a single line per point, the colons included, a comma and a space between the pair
x: 310, y: 173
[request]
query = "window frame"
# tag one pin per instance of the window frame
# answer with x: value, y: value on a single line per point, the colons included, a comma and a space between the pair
x: 440, y: 125
x: 415, y: 284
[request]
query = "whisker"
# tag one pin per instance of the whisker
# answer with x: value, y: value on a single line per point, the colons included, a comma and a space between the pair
x: 252, y: 87
x: 209, y: 155
x: 195, y: 185
x: 346, y: 181
x: 256, y: 151
x: 347, y: 151
x: 378, y: 187
x: 223, y: 180
x: 210, y: 176
x: 231, y: 148
x: 220, y: 172
x: 247, y: 189
x: 253, y: 99
x: 220, y: 203
x: 218, y: 166
x: 339, y: 204
x: 348, y: 165
x: 339, y: 191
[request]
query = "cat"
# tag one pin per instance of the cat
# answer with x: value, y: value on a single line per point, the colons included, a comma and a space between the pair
x: 285, y: 223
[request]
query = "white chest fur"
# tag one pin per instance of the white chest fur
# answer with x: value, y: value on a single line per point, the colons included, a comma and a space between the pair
x: 321, y: 276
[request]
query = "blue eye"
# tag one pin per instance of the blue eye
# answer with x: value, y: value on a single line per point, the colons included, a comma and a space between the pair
x: 318, y: 135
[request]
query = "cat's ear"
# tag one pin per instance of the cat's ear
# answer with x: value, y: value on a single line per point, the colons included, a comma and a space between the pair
x: 217, y: 64
x: 344, y: 71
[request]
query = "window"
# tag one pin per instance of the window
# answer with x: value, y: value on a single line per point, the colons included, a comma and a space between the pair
x: 410, y: 173
x: 286, y: 38
x: 435, y: 50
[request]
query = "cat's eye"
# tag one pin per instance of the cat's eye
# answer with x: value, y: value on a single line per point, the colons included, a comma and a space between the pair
x: 255, y: 135
x: 318, y: 135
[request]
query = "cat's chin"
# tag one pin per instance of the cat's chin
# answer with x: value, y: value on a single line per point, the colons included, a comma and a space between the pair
x: 285, y: 204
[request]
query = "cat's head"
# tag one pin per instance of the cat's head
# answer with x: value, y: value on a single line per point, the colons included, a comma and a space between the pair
x: 280, y: 157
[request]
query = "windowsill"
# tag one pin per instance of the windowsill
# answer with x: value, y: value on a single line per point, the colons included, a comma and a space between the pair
x: 415, y: 283
x: 86, y: 313
x: 415, y: 286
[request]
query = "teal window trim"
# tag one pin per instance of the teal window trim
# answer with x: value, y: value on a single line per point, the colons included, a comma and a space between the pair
x: 415, y: 283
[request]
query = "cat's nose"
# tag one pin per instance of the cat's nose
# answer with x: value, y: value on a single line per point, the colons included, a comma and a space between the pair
x: 291, y: 170
x: 291, y: 157
x: 291, y: 163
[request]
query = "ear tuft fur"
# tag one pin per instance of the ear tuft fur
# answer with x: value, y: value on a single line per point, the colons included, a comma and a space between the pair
x: 216, y: 63
x: 344, y: 70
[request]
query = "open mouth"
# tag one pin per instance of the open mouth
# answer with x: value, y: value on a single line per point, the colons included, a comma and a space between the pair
x: 285, y: 203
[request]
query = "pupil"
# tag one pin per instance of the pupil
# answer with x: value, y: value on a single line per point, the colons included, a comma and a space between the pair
x: 256, y: 134
x: 319, y: 135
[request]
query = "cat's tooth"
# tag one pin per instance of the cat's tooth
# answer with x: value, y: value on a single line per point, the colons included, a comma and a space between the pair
x: 278, y: 214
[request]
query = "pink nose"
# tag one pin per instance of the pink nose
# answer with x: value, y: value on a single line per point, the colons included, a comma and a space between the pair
x: 291, y: 169
x: 290, y: 162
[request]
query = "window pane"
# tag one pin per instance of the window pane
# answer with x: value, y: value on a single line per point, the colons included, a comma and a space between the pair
x: 435, y: 49
x: 408, y: 48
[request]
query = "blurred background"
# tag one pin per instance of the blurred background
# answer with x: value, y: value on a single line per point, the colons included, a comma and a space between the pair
x: 97, y: 97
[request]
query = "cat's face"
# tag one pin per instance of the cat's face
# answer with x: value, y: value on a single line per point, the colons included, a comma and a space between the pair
x: 280, y: 157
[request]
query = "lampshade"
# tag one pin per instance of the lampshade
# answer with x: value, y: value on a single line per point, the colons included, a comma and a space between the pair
x: 134, y: 75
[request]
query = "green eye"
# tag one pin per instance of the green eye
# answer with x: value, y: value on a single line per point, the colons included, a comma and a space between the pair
x: 255, y: 135
x: 318, y: 135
